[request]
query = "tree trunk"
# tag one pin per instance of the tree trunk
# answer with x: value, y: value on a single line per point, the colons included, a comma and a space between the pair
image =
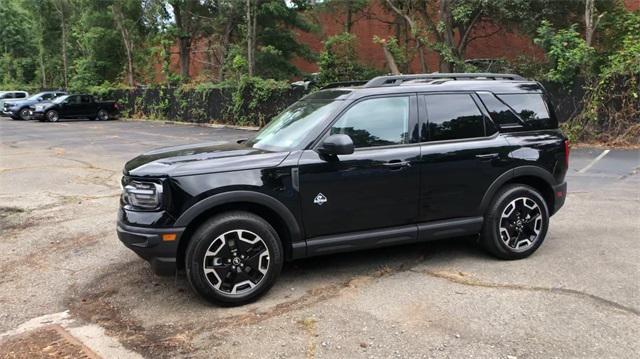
x: 126, y: 40
x: 184, y: 44
x: 391, y: 62
x: 446, y: 18
x: 347, y: 24
x: 226, y: 39
x: 590, y: 21
x: 184, y: 37
x: 61, y: 8
x: 64, y: 52
x: 252, y: 18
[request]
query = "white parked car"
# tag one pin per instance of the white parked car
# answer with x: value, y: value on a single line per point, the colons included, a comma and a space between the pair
x: 10, y: 96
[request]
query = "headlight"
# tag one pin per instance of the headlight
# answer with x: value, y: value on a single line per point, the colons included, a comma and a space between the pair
x: 142, y: 195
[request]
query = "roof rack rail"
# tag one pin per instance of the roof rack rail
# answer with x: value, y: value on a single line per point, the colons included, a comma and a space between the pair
x: 395, y: 80
x: 343, y: 84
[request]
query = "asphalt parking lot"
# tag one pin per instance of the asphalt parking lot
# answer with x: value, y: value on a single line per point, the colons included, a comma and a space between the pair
x: 577, y: 296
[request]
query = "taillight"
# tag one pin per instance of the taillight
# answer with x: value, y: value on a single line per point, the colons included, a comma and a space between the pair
x: 566, y: 153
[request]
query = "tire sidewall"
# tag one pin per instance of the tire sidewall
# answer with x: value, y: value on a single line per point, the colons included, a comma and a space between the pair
x: 491, y: 232
x: 106, y: 117
x: 49, y: 117
x: 204, y: 236
x: 20, y: 114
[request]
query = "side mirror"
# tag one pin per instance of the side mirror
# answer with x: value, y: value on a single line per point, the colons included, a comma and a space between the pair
x: 337, y: 145
x: 39, y: 99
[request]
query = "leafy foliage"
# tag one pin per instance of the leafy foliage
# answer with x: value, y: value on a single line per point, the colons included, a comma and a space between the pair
x: 339, y: 60
x: 567, y: 51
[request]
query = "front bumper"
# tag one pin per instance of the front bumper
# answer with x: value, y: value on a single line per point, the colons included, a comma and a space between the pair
x: 560, y: 195
x: 36, y: 115
x: 149, y: 244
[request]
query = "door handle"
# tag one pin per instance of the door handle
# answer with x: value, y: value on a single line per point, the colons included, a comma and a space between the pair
x: 396, y: 164
x: 488, y: 156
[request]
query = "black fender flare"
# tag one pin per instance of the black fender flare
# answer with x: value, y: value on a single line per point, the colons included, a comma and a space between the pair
x: 532, y: 171
x: 243, y: 196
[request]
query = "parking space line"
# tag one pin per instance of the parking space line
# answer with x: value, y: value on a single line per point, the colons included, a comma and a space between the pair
x: 595, y: 160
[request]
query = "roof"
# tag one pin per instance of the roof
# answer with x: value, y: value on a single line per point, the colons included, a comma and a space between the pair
x: 496, y: 83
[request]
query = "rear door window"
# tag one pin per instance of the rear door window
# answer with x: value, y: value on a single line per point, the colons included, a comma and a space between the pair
x: 453, y: 116
x: 532, y: 110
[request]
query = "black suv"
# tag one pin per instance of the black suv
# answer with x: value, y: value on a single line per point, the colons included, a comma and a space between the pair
x: 396, y: 160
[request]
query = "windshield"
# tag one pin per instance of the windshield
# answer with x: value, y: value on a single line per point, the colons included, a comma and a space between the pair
x: 287, y: 130
x: 35, y: 97
x: 60, y: 99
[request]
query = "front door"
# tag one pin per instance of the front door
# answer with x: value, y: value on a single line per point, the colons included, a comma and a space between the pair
x: 72, y: 107
x: 375, y: 187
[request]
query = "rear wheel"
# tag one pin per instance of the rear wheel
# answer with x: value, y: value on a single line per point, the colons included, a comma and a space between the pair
x: 52, y: 116
x: 233, y: 258
x: 516, y: 222
x: 102, y: 115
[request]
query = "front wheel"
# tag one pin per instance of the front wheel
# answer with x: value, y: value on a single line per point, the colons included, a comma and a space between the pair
x: 516, y: 222
x: 233, y: 258
x: 24, y: 114
x: 52, y: 116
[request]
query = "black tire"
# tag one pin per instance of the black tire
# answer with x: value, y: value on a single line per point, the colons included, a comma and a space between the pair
x: 102, y: 115
x: 23, y: 114
x: 207, y: 239
x: 52, y: 116
x: 521, y: 233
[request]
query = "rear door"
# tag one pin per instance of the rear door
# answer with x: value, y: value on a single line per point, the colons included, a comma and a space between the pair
x: 462, y: 154
x: 87, y: 106
x: 376, y: 186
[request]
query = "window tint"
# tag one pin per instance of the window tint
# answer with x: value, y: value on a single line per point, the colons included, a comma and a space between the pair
x: 531, y: 109
x: 499, y: 112
x: 20, y: 95
x: 376, y: 122
x: 85, y: 99
x: 453, y: 116
x: 47, y: 96
x: 73, y: 99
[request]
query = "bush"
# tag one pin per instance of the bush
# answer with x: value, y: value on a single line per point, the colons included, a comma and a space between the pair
x: 339, y: 61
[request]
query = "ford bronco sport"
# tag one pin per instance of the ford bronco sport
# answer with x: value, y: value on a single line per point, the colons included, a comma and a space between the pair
x: 395, y: 160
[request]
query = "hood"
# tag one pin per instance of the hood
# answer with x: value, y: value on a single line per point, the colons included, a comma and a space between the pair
x: 201, y: 158
x: 41, y: 103
x: 23, y: 102
x: 10, y: 100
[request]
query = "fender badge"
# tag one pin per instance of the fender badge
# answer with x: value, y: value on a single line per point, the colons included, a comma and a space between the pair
x: 320, y: 199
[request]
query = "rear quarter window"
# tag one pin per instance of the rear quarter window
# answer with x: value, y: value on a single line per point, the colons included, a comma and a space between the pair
x: 532, y: 110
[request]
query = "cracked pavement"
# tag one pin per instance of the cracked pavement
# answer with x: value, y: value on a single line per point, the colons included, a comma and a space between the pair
x: 577, y: 296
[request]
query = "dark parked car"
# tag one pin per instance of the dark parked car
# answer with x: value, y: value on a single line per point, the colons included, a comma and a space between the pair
x: 400, y: 159
x: 19, y: 110
x: 74, y: 106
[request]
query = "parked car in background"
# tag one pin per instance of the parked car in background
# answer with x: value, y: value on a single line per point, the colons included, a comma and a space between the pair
x: 74, y: 106
x: 19, y: 109
x: 10, y: 96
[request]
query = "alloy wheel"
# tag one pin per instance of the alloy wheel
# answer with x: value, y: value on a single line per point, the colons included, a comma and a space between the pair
x: 52, y: 116
x: 24, y: 114
x: 520, y: 224
x: 103, y: 115
x: 236, y: 262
